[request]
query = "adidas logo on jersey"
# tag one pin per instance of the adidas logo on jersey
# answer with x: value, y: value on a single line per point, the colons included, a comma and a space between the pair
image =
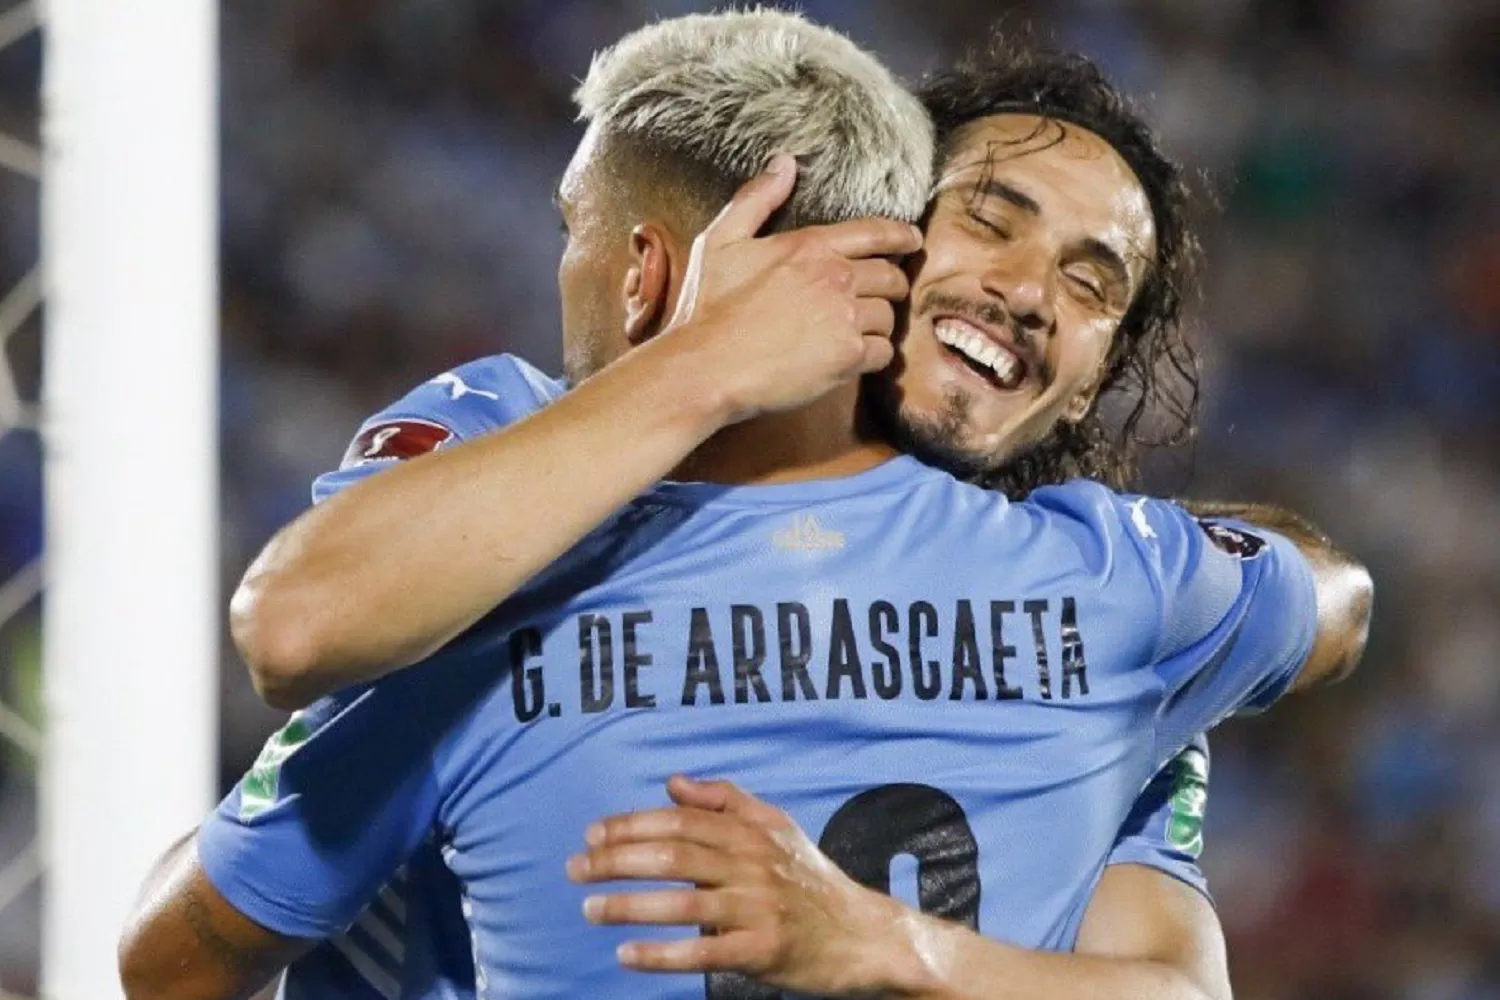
x: 805, y: 534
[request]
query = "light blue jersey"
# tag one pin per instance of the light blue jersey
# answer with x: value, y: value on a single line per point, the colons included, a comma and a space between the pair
x: 410, y: 943
x: 908, y: 665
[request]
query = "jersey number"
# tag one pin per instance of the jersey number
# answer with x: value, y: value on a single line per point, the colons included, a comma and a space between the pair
x: 864, y: 836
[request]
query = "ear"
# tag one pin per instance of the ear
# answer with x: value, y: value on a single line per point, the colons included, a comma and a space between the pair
x: 648, y: 281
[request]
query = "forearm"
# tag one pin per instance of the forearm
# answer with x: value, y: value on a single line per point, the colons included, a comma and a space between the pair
x: 945, y: 961
x: 184, y: 942
x: 387, y: 572
x: 789, y: 918
x: 1345, y: 592
x: 1289, y: 523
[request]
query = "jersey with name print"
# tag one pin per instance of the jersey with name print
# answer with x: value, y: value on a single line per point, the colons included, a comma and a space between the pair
x: 910, y: 666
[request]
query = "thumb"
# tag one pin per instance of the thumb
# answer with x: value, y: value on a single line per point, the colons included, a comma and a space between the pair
x: 754, y: 203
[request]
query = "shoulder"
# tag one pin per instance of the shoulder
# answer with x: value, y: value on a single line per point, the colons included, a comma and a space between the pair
x: 1086, y: 501
x: 499, y: 378
x: 455, y: 405
x: 1103, y: 523
x: 496, y: 389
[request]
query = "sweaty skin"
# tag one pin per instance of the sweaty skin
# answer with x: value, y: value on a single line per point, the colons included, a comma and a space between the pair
x: 185, y: 942
x: 786, y: 916
x: 761, y: 327
x: 1039, y: 237
x: 734, y: 331
x: 189, y: 944
x: 751, y: 379
x: 1038, y: 241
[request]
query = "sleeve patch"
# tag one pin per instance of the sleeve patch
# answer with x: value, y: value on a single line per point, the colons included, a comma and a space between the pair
x: 261, y: 787
x: 396, y: 440
x: 1236, y: 542
x: 1189, y: 802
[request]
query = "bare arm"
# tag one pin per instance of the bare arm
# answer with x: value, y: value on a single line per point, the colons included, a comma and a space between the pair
x: 361, y: 585
x: 788, y: 917
x: 1345, y: 592
x: 1139, y: 913
x: 1145, y: 936
x: 358, y: 586
x: 186, y: 942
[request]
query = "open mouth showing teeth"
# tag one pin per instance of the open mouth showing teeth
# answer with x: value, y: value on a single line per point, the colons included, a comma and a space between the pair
x: 981, y: 355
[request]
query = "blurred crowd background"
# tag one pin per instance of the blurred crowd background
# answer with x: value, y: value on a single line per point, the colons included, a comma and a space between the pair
x: 387, y: 170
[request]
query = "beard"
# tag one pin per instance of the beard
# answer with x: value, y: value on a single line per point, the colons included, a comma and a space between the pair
x: 936, y: 439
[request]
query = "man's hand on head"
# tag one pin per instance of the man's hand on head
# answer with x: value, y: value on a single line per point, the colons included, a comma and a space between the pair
x: 779, y: 321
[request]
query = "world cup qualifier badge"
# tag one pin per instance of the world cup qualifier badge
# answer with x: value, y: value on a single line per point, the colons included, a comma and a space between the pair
x: 1235, y: 541
x: 395, y: 440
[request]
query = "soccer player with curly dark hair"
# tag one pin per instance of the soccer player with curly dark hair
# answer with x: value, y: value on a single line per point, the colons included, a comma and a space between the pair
x: 699, y: 557
x: 1000, y: 110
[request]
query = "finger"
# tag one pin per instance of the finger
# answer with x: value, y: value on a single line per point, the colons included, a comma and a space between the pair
x: 875, y: 317
x: 879, y: 278
x: 754, y: 203
x: 694, y: 825
x: 879, y: 352
x: 726, y: 797
x: 870, y: 238
x: 684, y: 907
x: 736, y: 951
x: 664, y: 860
x: 696, y: 794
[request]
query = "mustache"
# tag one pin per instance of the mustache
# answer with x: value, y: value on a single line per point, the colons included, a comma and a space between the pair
x: 990, y: 314
x: 987, y: 313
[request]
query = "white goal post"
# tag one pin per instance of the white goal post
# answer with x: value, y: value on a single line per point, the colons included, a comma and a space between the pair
x: 130, y: 422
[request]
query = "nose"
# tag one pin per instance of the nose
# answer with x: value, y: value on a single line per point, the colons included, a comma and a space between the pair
x: 1024, y: 283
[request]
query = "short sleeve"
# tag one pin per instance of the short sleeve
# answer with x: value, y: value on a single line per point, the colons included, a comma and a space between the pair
x: 1165, y: 828
x: 1237, y: 614
x: 458, y: 405
x: 339, y: 798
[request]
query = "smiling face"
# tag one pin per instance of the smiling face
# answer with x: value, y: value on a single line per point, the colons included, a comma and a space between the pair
x: 1037, y: 241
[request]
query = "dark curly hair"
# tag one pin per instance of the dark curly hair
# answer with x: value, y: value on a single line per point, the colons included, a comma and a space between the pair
x: 1151, y: 369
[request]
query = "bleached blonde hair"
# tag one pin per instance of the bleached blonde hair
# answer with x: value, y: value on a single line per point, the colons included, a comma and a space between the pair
x: 720, y: 93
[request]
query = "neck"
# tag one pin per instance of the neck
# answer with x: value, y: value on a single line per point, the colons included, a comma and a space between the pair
x: 819, y: 441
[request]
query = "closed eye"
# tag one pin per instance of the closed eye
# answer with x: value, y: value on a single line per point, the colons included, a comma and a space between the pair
x: 999, y: 230
x: 1094, y: 289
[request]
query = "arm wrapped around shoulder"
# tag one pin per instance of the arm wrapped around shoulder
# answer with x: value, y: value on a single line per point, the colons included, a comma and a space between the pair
x: 1345, y: 591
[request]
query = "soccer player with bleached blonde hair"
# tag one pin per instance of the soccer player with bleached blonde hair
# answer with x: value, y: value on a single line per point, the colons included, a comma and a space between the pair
x: 903, y: 663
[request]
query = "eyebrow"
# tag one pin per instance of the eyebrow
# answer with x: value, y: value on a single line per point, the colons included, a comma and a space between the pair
x: 1002, y: 190
x: 1105, y: 254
